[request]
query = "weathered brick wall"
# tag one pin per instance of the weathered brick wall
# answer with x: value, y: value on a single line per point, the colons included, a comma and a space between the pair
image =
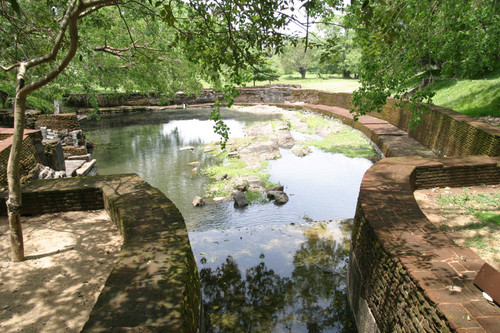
x: 28, y: 156
x: 62, y: 121
x: 487, y: 173
x: 395, y: 300
x: 152, y: 99
x: 154, y: 285
x: 7, y: 118
x: 406, y: 275
x: 446, y: 132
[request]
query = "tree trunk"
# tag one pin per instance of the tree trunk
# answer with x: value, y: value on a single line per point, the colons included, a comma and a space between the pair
x: 346, y: 74
x: 14, y: 201
x: 302, y: 72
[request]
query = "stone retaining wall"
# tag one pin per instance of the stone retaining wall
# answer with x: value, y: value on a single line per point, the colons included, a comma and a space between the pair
x: 154, y: 284
x: 405, y: 275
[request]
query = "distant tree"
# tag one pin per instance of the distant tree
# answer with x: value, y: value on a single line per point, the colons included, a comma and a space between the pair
x: 298, y: 58
x: 339, y: 54
x: 264, y: 72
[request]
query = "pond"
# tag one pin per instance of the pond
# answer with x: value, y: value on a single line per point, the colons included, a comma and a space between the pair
x: 266, y: 267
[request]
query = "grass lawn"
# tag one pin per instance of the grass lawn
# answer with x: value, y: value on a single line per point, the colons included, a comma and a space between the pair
x: 333, y: 83
x: 474, y: 98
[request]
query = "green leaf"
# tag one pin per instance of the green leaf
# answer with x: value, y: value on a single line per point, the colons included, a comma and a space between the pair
x: 15, y: 6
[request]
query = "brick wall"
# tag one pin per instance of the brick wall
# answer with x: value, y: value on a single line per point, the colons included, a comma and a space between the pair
x: 394, y: 299
x: 154, y: 285
x: 406, y: 275
x: 28, y: 154
x: 62, y: 121
x: 446, y: 132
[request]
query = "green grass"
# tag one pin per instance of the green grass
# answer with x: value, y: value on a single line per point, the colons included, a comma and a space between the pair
x: 349, y: 142
x: 314, y: 122
x: 474, y: 98
x: 478, y: 242
x: 488, y: 217
x: 344, y: 140
x: 333, y: 83
x: 471, y: 202
x: 234, y: 168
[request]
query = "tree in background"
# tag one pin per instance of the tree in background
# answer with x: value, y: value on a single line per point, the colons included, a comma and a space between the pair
x: 264, y: 72
x: 404, y: 38
x: 39, y: 39
x: 298, y: 57
x: 338, y: 53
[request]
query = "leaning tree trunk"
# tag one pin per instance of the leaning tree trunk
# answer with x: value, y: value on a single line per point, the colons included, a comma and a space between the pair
x: 14, y: 180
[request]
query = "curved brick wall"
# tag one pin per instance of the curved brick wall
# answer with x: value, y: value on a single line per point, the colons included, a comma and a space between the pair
x: 405, y: 275
x: 154, y: 284
x: 446, y: 132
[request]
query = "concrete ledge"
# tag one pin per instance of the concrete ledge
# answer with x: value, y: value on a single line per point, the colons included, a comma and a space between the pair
x: 154, y: 285
x: 411, y: 276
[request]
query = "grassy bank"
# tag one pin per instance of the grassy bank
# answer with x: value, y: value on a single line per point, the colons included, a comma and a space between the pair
x: 474, y: 98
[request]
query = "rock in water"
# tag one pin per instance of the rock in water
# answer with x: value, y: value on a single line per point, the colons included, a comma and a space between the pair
x: 276, y: 188
x: 187, y: 148
x: 301, y: 151
x: 279, y: 197
x: 220, y: 199
x: 240, y: 200
x: 198, y: 202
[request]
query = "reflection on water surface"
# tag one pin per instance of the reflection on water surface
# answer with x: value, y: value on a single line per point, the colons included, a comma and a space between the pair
x: 263, y: 268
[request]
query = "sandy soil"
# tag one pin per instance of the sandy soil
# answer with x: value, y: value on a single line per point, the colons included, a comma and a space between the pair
x: 458, y: 223
x: 68, y: 258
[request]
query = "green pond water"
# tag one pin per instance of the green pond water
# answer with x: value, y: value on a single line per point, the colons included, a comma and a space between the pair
x: 264, y: 268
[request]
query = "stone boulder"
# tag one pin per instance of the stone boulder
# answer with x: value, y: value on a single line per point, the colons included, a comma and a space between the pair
x: 260, y: 130
x: 279, y: 197
x: 276, y: 188
x: 285, y: 139
x: 198, y: 201
x: 258, y: 151
x: 54, y: 154
x: 240, y: 200
x: 255, y: 184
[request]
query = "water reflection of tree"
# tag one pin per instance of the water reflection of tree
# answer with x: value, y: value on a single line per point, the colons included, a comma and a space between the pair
x: 234, y: 304
x: 314, y: 296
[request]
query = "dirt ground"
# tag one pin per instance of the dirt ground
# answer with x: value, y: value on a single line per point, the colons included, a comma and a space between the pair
x: 68, y: 258
x: 459, y: 224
